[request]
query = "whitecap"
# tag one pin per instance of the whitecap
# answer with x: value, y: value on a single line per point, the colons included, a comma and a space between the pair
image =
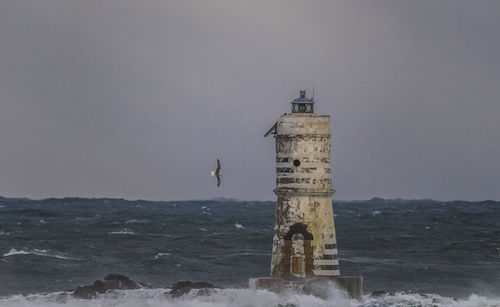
x: 376, y: 212
x: 125, y: 231
x: 161, y: 255
x: 2, y: 206
x: 42, y: 221
x: 14, y: 251
x: 230, y: 297
x: 239, y: 226
x: 368, y: 260
x: 160, y: 234
x: 202, y: 229
x: 156, y: 298
x: 430, y: 300
x: 39, y: 252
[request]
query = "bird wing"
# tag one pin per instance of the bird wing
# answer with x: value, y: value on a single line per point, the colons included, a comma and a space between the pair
x: 218, y: 167
x: 218, y: 180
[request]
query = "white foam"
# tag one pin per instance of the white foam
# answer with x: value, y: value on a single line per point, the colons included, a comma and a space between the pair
x: 14, y: 251
x: 161, y: 255
x: 3, y: 233
x: 431, y: 300
x: 376, y: 212
x: 39, y: 252
x: 125, y: 231
x: 239, y: 226
x: 237, y: 298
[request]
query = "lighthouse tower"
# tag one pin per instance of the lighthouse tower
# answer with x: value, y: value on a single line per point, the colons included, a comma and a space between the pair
x: 304, y: 243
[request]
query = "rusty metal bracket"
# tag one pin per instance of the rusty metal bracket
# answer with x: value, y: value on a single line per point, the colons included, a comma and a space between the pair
x: 272, y: 130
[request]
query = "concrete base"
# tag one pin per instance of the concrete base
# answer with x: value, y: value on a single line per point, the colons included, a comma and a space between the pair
x: 317, y: 286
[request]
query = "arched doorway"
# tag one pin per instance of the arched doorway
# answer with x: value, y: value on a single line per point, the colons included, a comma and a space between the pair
x: 298, y: 251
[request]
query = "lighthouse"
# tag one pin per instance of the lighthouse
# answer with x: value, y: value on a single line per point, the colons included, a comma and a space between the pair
x: 304, y: 243
x: 304, y: 239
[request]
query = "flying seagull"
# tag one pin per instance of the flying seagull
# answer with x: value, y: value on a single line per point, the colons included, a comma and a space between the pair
x: 217, y: 173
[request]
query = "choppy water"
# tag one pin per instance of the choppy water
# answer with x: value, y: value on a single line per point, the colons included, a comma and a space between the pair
x: 420, y: 247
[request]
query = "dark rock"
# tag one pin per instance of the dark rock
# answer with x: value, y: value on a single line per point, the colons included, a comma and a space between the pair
x: 99, y: 286
x: 118, y: 281
x: 110, y: 282
x: 182, y: 287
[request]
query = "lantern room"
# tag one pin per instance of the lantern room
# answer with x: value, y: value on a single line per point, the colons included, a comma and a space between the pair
x: 303, y: 104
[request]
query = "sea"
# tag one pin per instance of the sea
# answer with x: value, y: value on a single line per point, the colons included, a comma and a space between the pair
x: 414, y: 252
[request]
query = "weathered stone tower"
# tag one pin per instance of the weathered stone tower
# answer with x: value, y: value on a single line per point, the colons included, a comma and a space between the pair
x: 304, y: 243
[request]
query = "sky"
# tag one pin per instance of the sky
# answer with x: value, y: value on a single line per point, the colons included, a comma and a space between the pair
x: 137, y: 99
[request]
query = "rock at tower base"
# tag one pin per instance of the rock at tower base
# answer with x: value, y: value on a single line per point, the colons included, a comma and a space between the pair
x: 316, y: 286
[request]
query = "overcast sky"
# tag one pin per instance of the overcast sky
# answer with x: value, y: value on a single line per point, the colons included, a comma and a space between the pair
x: 136, y: 99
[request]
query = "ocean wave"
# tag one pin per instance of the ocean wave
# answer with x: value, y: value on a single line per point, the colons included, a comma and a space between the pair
x: 430, y: 300
x: 135, y: 221
x: 240, y: 297
x: 3, y: 233
x: 239, y: 226
x: 125, y: 231
x: 161, y: 255
x: 370, y: 260
x: 39, y: 252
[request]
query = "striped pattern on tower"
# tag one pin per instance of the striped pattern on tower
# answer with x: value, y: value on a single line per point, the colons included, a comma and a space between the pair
x: 304, y: 189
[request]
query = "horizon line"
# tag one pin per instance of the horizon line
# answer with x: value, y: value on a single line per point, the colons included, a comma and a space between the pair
x: 241, y: 200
